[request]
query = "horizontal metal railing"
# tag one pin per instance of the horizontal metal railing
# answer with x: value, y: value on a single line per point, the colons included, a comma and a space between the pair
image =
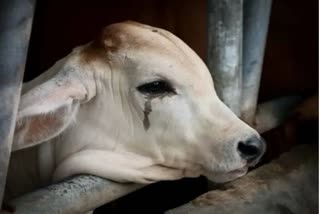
x: 76, y: 195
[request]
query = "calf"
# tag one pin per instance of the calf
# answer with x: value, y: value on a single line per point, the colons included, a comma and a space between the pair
x: 135, y: 105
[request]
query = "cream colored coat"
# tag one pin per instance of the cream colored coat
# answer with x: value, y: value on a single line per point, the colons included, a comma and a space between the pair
x: 87, y: 116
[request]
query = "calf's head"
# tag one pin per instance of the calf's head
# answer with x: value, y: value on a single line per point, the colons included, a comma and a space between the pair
x: 138, y: 90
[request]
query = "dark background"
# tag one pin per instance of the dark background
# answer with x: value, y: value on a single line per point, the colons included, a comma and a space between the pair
x: 290, y: 64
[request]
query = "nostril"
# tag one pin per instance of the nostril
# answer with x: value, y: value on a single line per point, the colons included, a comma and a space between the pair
x: 247, y: 151
x: 251, y: 149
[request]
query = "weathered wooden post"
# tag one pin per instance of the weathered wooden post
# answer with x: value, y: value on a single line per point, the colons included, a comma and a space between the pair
x: 225, y: 50
x: 15, y: 27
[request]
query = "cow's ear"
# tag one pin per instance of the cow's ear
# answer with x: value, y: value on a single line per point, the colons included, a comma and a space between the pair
x: 48, y: 109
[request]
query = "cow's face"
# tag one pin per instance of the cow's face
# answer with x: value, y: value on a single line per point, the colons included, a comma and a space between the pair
x: 154, y: 97
x: 165, y: 101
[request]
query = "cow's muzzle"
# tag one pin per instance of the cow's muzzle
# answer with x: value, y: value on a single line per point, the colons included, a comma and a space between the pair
x: 252, y: 149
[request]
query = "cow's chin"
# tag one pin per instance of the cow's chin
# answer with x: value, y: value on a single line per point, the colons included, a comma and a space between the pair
x: 223, y: 177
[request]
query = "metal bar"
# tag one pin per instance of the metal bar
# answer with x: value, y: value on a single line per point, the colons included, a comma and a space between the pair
x: 272, y: 113
x: 225, y: 50
x: 277, y: 187
x: 15, y: 27
x: 77, y: 195
x: 256, y: 21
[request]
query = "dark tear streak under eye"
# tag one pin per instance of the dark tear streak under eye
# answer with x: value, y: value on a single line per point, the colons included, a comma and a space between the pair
x: 148, y: 107
x: 147, y: 110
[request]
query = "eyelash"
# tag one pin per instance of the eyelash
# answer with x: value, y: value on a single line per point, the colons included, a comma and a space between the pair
x: 155, y: 88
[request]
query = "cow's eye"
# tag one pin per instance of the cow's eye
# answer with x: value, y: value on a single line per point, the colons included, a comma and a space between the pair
x: 156, y: 88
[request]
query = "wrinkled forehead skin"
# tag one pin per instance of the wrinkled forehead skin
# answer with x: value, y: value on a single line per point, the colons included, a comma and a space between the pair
x: 134, y: 44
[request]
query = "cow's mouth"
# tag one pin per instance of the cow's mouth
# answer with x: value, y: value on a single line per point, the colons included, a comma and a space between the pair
x: 240, y: 170
x: 227, y: 176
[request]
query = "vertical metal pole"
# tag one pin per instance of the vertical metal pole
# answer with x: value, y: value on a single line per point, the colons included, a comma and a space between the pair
x: 15, y: 27
x: 256, y: 21
x: 225, y: 50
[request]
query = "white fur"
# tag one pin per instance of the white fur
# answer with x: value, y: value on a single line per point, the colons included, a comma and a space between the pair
x: 191, y: 133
